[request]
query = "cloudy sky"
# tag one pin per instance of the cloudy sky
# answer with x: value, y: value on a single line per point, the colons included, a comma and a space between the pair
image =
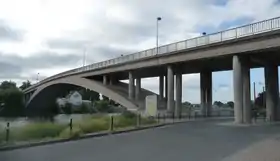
x: 50, y: 36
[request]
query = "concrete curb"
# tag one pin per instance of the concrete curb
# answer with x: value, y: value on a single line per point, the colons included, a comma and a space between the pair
x: 91, y: 135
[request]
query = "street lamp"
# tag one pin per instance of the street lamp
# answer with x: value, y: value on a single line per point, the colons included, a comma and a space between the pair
x: 158, y: 19
x: 84, y: 56
x: 38, y: 77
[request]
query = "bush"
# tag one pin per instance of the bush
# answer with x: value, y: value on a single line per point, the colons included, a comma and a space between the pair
x: 103, y: 106
x: 37, y: 131
x: 67, y: 109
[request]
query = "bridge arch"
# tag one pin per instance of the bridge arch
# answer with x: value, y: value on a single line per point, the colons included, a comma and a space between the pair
x: 51, y: 90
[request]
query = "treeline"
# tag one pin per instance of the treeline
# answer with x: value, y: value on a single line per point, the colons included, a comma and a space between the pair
x: 11, y: 99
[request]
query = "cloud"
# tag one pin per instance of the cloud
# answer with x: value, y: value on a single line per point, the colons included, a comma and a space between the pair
x: 7, y: 33
x: 66, y: 44
x: 16, y: 67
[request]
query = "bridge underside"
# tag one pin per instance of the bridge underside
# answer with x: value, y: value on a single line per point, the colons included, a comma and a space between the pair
x: 44, y: 97
x: 221, y: 63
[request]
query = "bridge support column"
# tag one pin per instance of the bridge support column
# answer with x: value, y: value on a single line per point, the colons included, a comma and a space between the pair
x: 161, y: 86
x: 105, y: 79
x: 237, y: 89
x: 166, y: 87
x: 27, y: 97
x: 178, y: 106
x: 247, y: 110
x: 131, y: 85
x: 241, y: 90
x: 138, y: 88
x: 206, y: 93
x: 111, y: 82
x: 272, y: 94
x: 170, y: 88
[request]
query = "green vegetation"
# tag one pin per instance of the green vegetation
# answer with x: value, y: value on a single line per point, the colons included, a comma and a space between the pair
x: 103, y: 106
x: 2, y: 135
x: 11, y: 100
x: 93, y: 124
x: 25, y: 85
x: 12, y: 105
x: 90, y: 124
x: 35, y: 131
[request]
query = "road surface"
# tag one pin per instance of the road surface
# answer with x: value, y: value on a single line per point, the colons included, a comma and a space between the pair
x: 191, y: 141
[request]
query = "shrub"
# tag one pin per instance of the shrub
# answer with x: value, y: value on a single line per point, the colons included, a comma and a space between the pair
x: 83, y: 109
x: 37, y: 131
x: 76, y: 132
x: 67, y: 109
x: 103, y: 106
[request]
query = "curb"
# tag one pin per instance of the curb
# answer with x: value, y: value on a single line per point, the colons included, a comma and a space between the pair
x: 86, y: 136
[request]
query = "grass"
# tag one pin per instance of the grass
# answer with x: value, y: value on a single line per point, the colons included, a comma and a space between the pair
x: 89, y: 124
x: 2, y: 135
x: 35, y: 131
x: 95, y: 124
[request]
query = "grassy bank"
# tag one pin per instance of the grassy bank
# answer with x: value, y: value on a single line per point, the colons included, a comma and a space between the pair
x: 89, y: 124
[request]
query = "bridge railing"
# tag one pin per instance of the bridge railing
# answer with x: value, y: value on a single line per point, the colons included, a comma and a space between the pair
x: 234, y: 33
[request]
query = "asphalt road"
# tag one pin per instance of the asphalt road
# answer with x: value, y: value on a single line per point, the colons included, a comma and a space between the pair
x: 192, y: 141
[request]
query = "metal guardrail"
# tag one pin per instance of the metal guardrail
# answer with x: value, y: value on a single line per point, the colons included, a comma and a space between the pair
x: 238, y: 32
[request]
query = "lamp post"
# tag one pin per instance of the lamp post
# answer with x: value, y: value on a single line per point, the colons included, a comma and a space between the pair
x: 38, y: 77
x: 84, y: 56
x: 158, y: 19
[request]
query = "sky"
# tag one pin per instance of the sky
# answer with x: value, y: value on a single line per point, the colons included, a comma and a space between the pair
x: 50, y: 36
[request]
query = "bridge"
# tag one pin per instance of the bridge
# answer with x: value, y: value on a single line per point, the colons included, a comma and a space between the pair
x: 238, y: 49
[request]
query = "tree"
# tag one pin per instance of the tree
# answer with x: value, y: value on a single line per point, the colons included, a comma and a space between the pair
x: 12, y: 100
x: 218, y: 103
x: 103, y: 106
x: 186, y: 104
x: 88, y: 94
x: 67, y: 109
x: 105, y: 98
x: 230, y: 104
x: 25, y: 85
x: 8, y: 85
x: 260, y: 100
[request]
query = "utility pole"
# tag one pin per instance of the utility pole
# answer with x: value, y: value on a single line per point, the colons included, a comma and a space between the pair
x: 263, y: 96
x: 254, y: 91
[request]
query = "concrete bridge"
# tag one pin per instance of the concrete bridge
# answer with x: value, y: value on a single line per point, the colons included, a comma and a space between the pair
x: 238, y: 49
